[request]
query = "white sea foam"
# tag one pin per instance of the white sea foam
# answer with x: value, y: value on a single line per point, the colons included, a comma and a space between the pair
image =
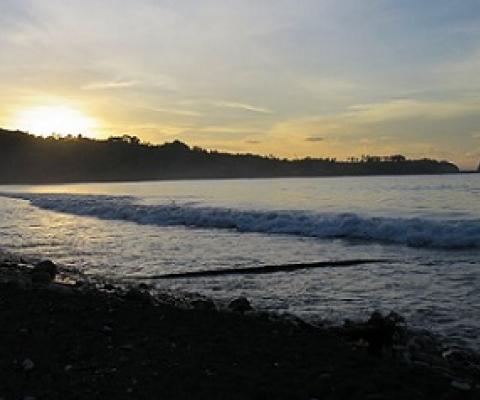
x: 416, y: 232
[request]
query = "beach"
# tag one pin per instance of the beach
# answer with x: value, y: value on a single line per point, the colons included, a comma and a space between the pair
x: 358, y: 288
x: 78, y: 338
x: 420, y: 233
x: 239, y: 200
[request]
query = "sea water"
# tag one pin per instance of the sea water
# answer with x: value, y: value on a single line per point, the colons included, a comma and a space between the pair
x: 425, y: 228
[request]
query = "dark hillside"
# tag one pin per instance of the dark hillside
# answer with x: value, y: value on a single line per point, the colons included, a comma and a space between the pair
x: 25, y: 158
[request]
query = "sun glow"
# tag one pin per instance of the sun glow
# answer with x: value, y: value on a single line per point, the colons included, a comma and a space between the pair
x: 53, y: 119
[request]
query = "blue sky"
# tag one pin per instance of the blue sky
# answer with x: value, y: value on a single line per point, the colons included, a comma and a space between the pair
x: 292, y: 78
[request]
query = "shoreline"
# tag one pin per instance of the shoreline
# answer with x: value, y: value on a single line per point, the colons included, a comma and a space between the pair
x: 76, y: 337
x: 247, y: 178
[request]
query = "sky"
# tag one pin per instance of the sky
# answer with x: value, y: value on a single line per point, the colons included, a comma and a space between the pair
x: 321, y: 78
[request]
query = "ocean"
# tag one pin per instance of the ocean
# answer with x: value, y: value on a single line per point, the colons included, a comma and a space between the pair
x: 425, y: 229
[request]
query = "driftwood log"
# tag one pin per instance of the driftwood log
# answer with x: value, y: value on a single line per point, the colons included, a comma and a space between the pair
x: 266, y: 269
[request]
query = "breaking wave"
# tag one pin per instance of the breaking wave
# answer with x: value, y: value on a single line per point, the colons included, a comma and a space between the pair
x: 416, y: 232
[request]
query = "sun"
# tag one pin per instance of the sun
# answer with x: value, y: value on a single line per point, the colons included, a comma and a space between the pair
x: 54, y: 119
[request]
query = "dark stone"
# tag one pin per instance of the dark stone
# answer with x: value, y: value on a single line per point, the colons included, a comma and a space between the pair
x: 240, y: 304
x: 108, y: 286
x: 139, y: 296
x: 379, y: 331
x: 44, y: 272
x: 203, y: 304
x: 144, y: 286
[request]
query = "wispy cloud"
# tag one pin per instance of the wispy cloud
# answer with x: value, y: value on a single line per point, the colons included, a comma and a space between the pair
x: 475, y: 134
x: 314, y: 139
x: 409, y: 108
x: 175, y: 111
x: 243, y: 106
x: 240, y: 130
x: 110, y: 85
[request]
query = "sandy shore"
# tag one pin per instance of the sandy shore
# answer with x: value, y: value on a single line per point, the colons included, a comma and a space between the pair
x: 77, y: 339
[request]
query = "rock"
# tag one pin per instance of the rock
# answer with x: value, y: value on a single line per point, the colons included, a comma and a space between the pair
x: 379, y: 331
x: 80, y: 284
x: 240, y: 304
x: 44, y: 272
x: 457, y: 358
x: 204, y: 304
x: 28, y: 364
x: 460, y: 385
x: 144, y: 286
x: 413, y: 344
x: 139, y: 296
x: 108, y: 286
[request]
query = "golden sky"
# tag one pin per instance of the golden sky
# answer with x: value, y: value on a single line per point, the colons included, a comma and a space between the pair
x: 291, y: 78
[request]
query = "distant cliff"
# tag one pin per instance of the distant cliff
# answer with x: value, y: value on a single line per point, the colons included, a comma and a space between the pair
x: 26, y: 158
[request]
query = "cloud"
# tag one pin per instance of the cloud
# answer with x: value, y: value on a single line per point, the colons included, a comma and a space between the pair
x: 379, y: 119
x: 243, y: 106
x: 246, y: 130
x: 186, y: 113
x: 110, y: 85
x: 253, y: 141
x: 475, y: 134
x: 409, y: 108
x: 314, y: 139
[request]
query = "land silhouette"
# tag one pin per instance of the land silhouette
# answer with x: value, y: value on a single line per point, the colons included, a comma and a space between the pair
x: 25, y: 158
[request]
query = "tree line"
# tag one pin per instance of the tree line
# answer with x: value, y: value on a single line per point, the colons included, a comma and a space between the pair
x: 25, y: 158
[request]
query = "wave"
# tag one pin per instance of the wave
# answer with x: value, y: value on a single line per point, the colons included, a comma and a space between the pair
x: 416, y: 232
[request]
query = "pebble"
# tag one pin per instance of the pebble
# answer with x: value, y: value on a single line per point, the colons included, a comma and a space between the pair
x: 28, y: 364
x: 139, y: 296
x: 240, y: 304
x: 44, y: 272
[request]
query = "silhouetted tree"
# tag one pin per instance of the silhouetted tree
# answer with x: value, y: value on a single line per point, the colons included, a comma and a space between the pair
x: 25, y: 158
